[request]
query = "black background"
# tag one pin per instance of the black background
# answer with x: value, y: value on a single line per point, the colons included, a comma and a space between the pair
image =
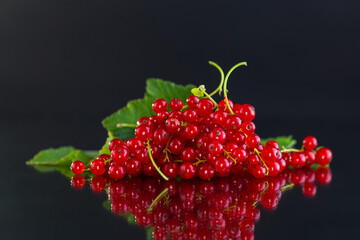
x: 65, y: 65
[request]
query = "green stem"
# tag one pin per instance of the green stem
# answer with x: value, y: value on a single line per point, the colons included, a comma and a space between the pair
x: 290, y: 150
x: 157, y: 199
x: 129, y: 125
x: 263, y: 162
x: 225, y: 84
x: 153, y: 162
x: 219, y: 88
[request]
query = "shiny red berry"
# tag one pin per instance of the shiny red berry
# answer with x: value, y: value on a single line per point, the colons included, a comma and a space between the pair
x: 97, y: 167
x: 78, y: 167
x: 310, y: 143
x: 323, y: 156
x: 160, y: 105
x: 176, y: 104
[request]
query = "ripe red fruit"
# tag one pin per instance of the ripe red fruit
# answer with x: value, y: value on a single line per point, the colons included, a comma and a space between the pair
x: 172, y: 124
x: 206, y: 171
x: 97, y: 167
x: 159, y: 105
x: 310, y: 143
x: 188, y: 154
x: 160, y: 136
x: 190, y: 115
x: 176, y: 104
x: 239, y: 155
x: 246, y: 112
x: 259, y: 171
x: 192, y: 101
x: 144, y: 121
x: 309, y: 157
x: 133, y: 167
x: 115, y: 142
x: 233, y: 123
x: 77, y: 167
x: 215, y: 148
x: 297, y: 160
x: 116, y: 171
x: 217, y: 134
x: 253, y: 140
x: 270, y: 154
x: 204, y: 107
x: 323, y: 156
x: 248, y: 127
x: 272, y: 143
x: 223, y: 106
x: 120, y: 154
x: 143, y: 132
x: 170, y: 169
x: 222, y: 165
x: 187, y: 170
x: 190, y: 131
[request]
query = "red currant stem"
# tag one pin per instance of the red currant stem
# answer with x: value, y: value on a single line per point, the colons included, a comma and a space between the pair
x: 199, y: 161
x: 178, y: 161
x: 86, y: 169
x: 287, y: 187
x: 225, y: 84
x: 229, y: 156
x: 290, y: 150
x: 219, y: 88
x: 157, y: 199
x: 153, y: 162
x: 263, y: 162
x: 211, y: 99
x: 129, y: 125
x: 184, y: 107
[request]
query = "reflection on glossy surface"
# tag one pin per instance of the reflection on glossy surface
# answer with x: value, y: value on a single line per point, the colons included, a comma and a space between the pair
x: 222, y: 208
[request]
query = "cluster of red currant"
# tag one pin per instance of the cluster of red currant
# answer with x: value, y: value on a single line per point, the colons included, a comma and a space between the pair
x: 220, y: 208
x: 204, y: 139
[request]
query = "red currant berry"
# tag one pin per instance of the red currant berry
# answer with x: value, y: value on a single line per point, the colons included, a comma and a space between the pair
x: 188, y: 154
x: 192, y: 101
x: 160, y: 105
x: 236, y: 137
x: 206, y: 171
x: 239, y: 155
x: 220, y: 117
x: 116, y: 171
x: 223, y: 106
x: 172, y: 124
x: 246, y: 112
x: 187, y: 170
x: 323, y: 156
x: 115, y: 142
x: 190, y: 131
x: 176, y: 104
x: 176, y: 145
x: 205, y: 107
x: 134, y: 143
x: 144, y: 121
x: 160, y: 136
x: 222, y: 165
x: 133, y: 167
x: 190, y: 115
x: 217, y: 134
x: 97, y: 167
x: 120, y: 154
x: 259, y: 171
x: 233, y: 123
x: 78, y: 167
x: 170, y: 169
x: 253, y: 140
x: 274, y: 169
x: 297, y: 160
x: 310, y: 143
x: 143, y: 132
x: 309, y: 157
x: 248, y: 127
x: 215, y: 148
x: 272, y: 143
x: 270, y: 154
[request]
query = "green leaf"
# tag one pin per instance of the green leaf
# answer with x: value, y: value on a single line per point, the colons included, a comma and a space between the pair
x: 149, y: 233
x: 60, y: 159
x: 155, y: 88
x: 158, y: 88
x: 50, y: 156
x: 283, y: 141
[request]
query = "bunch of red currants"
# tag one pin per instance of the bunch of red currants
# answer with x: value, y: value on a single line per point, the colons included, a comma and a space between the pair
x: 196, y: 141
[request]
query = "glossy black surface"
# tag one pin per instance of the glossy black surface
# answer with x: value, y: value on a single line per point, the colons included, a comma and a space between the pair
x: 66, y: 65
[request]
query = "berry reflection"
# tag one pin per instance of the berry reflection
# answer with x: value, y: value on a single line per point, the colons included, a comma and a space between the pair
x: 220, y: 208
